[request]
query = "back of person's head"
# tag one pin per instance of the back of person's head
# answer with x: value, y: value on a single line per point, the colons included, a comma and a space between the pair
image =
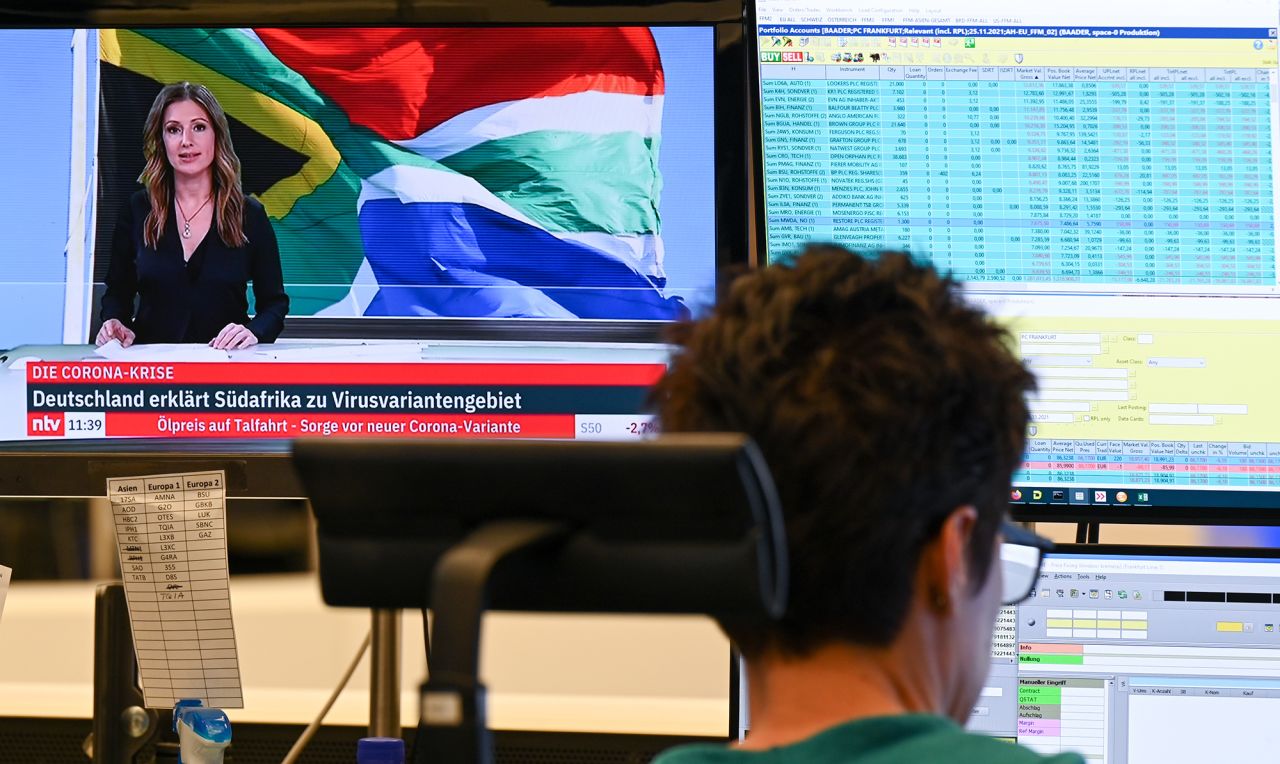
x: 881, y: 402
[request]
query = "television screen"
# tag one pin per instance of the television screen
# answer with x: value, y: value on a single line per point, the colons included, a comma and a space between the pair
x: 1101, y: 177
x: 485, y: 187
x: 494, y: 172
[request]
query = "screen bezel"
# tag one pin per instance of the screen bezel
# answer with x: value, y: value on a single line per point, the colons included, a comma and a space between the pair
x: 755, y: 115
x: 1147, y: 515
x: 80, y: 469
x: 1132, y: 550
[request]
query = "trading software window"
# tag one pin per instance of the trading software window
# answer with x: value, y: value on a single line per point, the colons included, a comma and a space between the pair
x: 1101, y: 178
x: 1136, y: 158
x: 1130, y: 660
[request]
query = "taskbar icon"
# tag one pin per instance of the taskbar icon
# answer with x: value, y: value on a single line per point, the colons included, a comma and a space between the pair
x: 1079, y: 496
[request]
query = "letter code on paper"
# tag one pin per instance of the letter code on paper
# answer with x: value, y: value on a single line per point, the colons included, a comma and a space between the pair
x: 171, y: 531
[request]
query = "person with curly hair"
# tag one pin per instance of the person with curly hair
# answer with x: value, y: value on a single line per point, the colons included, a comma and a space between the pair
x: 892, y: 415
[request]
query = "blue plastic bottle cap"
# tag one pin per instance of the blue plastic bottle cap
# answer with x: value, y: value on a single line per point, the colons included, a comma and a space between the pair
x: 181, y: 704
x: 380, y: 750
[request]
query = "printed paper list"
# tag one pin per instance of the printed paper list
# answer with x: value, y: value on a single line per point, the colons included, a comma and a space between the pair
x: 171, y: 531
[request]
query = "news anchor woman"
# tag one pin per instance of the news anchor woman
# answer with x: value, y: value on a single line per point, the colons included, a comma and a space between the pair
x: 188, y: 244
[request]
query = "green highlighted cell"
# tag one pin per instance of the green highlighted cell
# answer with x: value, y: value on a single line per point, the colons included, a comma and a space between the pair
x: 1058, y: 660
x: 1040, y: 695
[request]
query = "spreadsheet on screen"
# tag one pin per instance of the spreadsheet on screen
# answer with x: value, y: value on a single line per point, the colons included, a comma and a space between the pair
x: 1100, y: 177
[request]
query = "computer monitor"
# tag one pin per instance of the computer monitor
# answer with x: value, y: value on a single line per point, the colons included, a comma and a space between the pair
x: 1135, y: 655
x: 1100, y: 176
x: 486, y: 215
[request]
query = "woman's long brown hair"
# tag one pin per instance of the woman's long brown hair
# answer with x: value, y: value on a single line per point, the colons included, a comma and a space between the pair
x: 157, y: 174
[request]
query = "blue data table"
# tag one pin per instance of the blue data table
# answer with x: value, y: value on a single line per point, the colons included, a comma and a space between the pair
x: 1063, y: 175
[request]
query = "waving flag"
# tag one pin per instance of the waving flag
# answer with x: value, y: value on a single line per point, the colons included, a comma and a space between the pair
x: 467, y: 172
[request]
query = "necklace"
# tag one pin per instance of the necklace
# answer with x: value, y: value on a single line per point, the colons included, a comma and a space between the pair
x: 186, y: 220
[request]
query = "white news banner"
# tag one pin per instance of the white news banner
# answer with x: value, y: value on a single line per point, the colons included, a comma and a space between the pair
x: 6, y: 575
x: 171, y: 530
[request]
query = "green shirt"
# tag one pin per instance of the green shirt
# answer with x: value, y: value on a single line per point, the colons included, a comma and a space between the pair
x: 908, y: 739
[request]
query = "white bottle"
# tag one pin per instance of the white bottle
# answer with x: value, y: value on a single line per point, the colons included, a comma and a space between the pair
x: 203, y: 733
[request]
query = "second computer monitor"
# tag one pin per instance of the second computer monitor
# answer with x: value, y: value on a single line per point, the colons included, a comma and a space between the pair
x: 1130, y: 656
x: 1100, y: 176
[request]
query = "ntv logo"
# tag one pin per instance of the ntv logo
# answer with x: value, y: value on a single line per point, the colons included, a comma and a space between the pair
x: 46, y: 424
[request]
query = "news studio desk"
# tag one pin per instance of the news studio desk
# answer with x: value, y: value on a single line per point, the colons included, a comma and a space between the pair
x: 594, y: 674
x: 70, y: 417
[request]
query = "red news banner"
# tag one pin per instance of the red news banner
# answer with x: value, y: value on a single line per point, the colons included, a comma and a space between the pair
x: 286, y: 400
